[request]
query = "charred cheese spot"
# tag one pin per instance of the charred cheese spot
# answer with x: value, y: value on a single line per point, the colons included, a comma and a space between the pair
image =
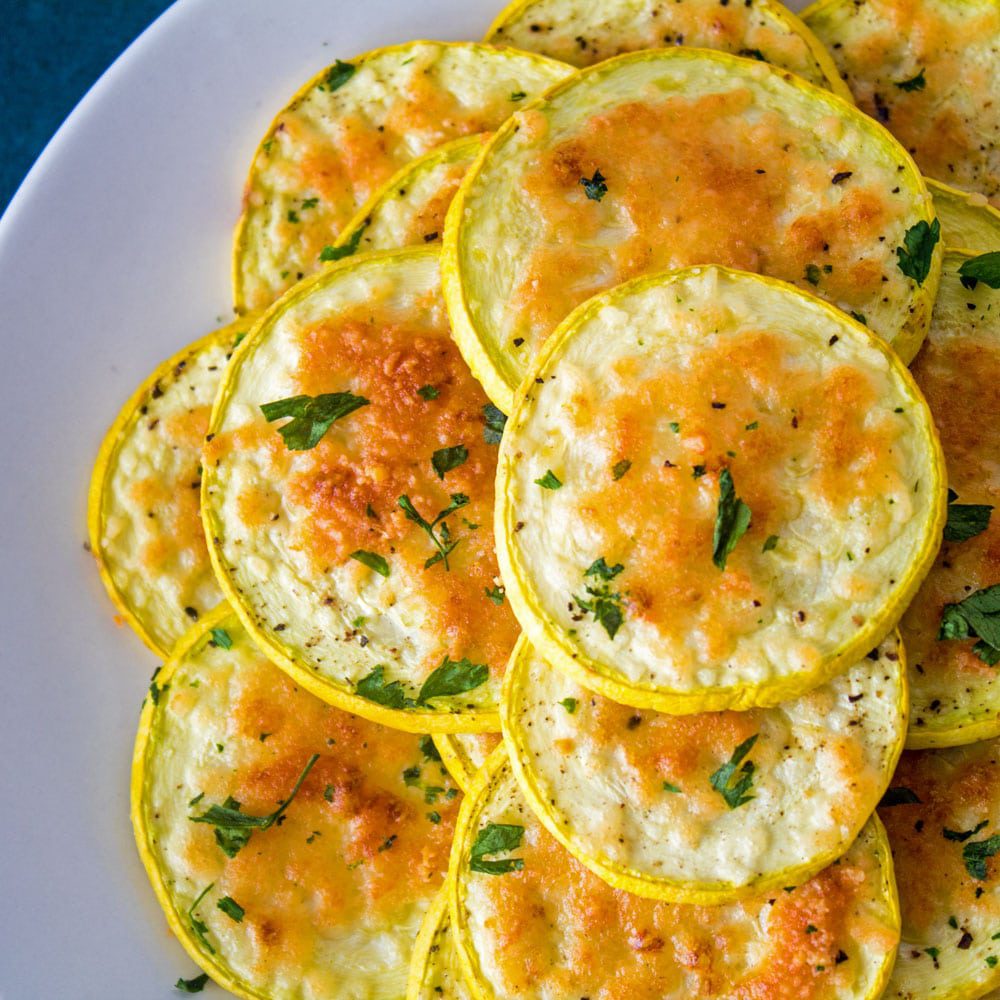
x: 333, y: 146
x: 930, y: 72
x: 333, y: 893
x: 956, y: 696
x: 967, y: 220
x: 950, y: 916
x: 556, y: 930
x: 582, y: 34
x: 693, y: 377
x: 378, y: 330
x: 630, y: 792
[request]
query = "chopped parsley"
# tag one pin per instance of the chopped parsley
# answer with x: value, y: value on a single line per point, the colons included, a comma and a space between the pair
x: 860, y: 317
x: 976, y: 617
x: 440, y: 538
x: 428, y: 392
x: 312, y: 416
x: 812, y: 274
x: 771, y: 542
x: 199, y: 927
x: 603, y: 603
x: 984, y: 268
x: 965, y: 520
x: 233, y: 828
x: 220, y: 638
x: 372, y: 560
x: 428, y: 749
x: 732, y: 519
x: 446, y: 459
x: 621, y: 468
x: 674, y: 426
x: 722, y: 780
x: 495, y: 595
x: 518, y: 95
x: 550, y: 481
x: 195, y: 985
x: 231, y: 908
x: 373, y: 688
x: 496, y: 838
x: 672, y: 788
x: 434, y: 817
x: 348, y: 249
x: 975, y: 854
x: 914, y: 257
x: 961, y: 836
x: 450, y: 678
x: 337, y: 75
x: 495, y: 420
x: 570, y: 705
x: 914, y: 83
x: 595, y: 187
x: 899, y: 795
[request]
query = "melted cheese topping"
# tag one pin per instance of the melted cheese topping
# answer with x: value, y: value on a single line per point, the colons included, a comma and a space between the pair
x: 967, y: 220
x: 465, y: 753
x: 555, y: 930
x: 885, y: 48
x: 705, y: 159
x: 411, y: 208
x: 684, y: 376
x: 956, y: 696
x: 630, y: 792
x: 146, y: 528
x: 341, y: 138
x: 286, y: 523
x: 434, y: 970
x: 951, y: 918
x: 583, y: 33
x: 333, y: 895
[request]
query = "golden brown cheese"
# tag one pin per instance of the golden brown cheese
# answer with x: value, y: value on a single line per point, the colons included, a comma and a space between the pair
x: 956, y: 694
x: 943, y: 830
x: 348, y: 130
x: 929, y: 70
x: 554, y: 930
x: 331, y: 895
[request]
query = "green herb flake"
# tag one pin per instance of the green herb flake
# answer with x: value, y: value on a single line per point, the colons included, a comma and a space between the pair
x: 570, y: 705
x: 495, y: 420
x: 752, y: 426
x: 373, y: 688
x: 428, y: 392
x: 812, y: 274
x: 771, y: 542
x: 914, y: 257
x: 195, y: 985
x: 914, y: 83
x: 984, y: 268
x: 860, y: 317
x: 991, y: 961
x: 220, y: 639
x: 292, y: 215
x: 550, y: 481
x: 697, y: 471
x: 595, y: 187
x: 199, y: 926
x: 621, y: 468
x: 965, y: 520
x: 674, y: 426
x: 231, y: 908
x: 312, y: 416
x: 434, y: 817
x: 899, y: 795
x: 337, y: 75
x: 732, y: 520
x: 372, y: 560
x: 453, y: 677
x: 975, y: 854
x: 975, y: 617
x: 328, y: 793
x: 441, y: 539
x: 495, y: 595
x: 963, y: 835
x: 735, y: 791
x: 310, y: 202
x: 518, y: 95
x: 446, y: 459
x: 672, y: 788
x: 496, y: 838
x: 603, y: 603
x: 810, y: 928
x: 933, y: 952
x: 349, y: 249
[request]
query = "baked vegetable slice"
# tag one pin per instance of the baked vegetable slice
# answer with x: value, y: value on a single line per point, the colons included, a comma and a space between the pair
x: 705, y: 808
x: 942, y: 813
x: 955, y: 687
x: 348, y: 499
x: 410, y: 208
x: 143, y: 518
x: 674, y: 157
x: 714, y: 491
x: 530, y: 920
x: 583, y: 33
x: 294, y: 848
x: 348, y: 130
x: 465, y: 753
x: 967, y: 220
x: 434, y: 971
x: 930, y: 72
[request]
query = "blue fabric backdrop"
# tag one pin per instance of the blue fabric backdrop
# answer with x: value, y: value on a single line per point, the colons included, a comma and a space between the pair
x: 51, y: 51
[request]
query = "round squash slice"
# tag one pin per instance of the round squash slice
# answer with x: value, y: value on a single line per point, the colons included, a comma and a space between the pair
x: 967, y: 220
x: 409, y: 209
x: 675, y: 157
x: 465, y: 753
x: 583, y: 33
x: 930, y: 72
x: 352, y: 127
x: 942, y: 813
x: 294, y: 848
x: 705, y: 808
x: 715, y: 491
x: 143, y: 513
x: 348, y: 498
x: 530, y: 920
x: 952, y: 628
x: 434, y: 970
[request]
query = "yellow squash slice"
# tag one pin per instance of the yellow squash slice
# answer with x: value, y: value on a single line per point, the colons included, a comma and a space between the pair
x: 967, y: 220
x: 529, y: 920
x: 348, y: 499
x: 143, y: 514
x: 705, y: 808
x: 943, y: 818
x: 955, y: 687
x: 321, y: 895
x: 348, y: 130
x: 410, y: 208
x: 582, y: 33
x: 434, y: 970
x: 465, y: 753
x: 930, y: 71
x: 674, y: 157
x: 714, y: 491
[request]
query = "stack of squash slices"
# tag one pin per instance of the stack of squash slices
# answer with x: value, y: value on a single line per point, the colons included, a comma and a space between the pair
x: 575, y: 569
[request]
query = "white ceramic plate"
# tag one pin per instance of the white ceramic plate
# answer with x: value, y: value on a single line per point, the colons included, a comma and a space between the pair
x: 113, y: 254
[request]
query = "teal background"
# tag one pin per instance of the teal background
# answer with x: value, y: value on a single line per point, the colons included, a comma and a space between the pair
x: 51, y: 52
